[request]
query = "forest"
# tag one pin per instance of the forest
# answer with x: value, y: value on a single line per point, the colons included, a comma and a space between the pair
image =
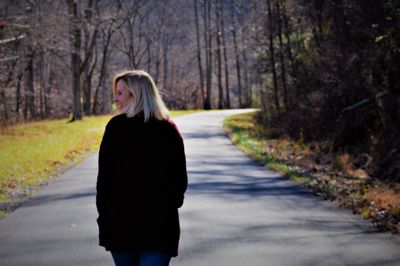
x: 323, y: 72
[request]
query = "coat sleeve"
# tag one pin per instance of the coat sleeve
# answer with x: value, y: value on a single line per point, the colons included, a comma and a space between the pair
x: 104, y: 172
x: 179, y: 173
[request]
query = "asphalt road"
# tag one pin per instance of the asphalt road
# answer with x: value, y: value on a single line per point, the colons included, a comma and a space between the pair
x: 235, y: 213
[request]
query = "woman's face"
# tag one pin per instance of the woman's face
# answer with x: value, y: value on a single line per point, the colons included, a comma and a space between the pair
x: 123, y: 96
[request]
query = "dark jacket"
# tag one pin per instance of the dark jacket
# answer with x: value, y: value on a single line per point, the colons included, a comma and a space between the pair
x: 140, y: 185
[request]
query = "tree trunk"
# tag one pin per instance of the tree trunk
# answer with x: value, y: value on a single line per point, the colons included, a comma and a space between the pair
x: 42, y: 81
x: 228, y: 101
x: 29, y: 78
x: 236, y: 51
x: 30, y: 93
x: 149, y: 43
x: 165, y: 61
x: 3, y: 109
x: 158, y: 64
x: 90, y: 55
x: 201, y: 77
x: 18, y: 94
x: 103, y: 70
x: 148, y: 52
x: 272, y: 54
x: 208, y: 52
x: 88, y: 86
x: 219, y: 68
x: 287, y: 31
x: 247, y: 85
x: 281, y: 56
x: 47, y: 90
x: 75, y: 42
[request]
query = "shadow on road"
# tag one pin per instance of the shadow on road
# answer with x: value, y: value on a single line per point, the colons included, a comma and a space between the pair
x: 50, y: 199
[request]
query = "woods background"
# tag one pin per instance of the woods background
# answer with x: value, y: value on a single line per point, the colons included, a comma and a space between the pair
x: 322, y: 71
x: 58, y: 55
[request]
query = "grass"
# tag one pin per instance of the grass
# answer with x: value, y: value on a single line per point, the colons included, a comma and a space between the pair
x: 250, y: 138
x: 33, y: 153
x: 331, y: 176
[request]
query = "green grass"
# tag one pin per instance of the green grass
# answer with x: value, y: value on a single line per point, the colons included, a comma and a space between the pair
x: 33, y: 153
x: 250, y: 137
x: 30, y: 153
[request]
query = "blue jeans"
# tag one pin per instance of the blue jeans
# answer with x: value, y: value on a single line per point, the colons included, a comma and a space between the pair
x: 132, y: 258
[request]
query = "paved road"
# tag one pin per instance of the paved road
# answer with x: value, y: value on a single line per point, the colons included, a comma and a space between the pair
x: 235, y: 213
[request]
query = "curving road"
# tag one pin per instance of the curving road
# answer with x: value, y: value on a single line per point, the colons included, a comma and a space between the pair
x: 235, y: 213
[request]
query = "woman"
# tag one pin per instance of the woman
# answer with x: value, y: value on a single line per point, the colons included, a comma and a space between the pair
x: 142, y: 176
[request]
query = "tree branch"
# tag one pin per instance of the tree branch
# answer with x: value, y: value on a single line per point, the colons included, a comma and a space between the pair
x: 365, y: 101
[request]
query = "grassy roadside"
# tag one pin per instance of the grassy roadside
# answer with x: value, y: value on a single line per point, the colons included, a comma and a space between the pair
x: 331, y: 177
x: 32, y: 154
x: 248, y: 136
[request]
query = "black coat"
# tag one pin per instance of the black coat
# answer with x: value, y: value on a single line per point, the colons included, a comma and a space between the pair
x: 140, y: 185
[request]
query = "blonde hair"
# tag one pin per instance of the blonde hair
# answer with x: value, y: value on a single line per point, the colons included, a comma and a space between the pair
x: 146, y: 96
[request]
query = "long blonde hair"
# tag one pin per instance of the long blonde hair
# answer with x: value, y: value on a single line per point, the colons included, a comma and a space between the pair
x: 146, y: 96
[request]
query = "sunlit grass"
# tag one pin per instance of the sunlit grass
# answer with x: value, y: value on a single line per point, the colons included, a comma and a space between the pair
x: 32, y: 153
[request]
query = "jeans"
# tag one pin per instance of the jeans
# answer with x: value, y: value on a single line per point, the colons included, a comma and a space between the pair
x: 132, y: 258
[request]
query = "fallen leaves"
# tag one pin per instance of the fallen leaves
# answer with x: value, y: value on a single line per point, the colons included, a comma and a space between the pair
x: 339, y: 176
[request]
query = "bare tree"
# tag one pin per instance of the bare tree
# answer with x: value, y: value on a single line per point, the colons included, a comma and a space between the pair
x: 132, y: 33
x: 201, y: 77
x: 208, y: 51
x: 227, y: 89
x: 106, y: 35
x: 281, y: 54
x: 30, y: 93
x: 219, y: 67
x: 236, y: 51
x: 75, y: 43
x: 272, y: 53
x: 245, y: 64
x: 90, y: 26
